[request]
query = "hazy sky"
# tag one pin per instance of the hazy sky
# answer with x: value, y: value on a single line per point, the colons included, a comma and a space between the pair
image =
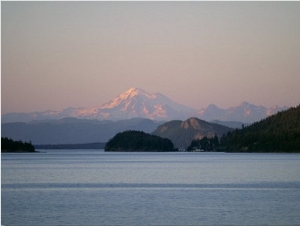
x: 82, y: 54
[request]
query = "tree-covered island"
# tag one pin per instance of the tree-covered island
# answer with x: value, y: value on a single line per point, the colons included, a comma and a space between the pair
x: 9, y: 145
x: 137, y: 141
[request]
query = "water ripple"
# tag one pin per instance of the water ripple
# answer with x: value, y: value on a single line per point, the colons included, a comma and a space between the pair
x: 258, y: 185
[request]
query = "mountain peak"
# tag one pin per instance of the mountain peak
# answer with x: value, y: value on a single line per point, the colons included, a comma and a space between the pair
x: 245, y: 103
x: 133, y: 92
x: 134, y: 89
x: 136, y: 102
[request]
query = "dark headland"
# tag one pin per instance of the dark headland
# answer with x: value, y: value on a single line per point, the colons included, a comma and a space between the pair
x: 138, y: 141
x: 9, y: 145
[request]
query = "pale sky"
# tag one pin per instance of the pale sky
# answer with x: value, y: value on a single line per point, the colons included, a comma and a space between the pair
x: 82, y: 54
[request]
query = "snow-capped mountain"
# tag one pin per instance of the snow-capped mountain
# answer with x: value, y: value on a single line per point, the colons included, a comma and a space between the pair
x: 245, y: 112
x: 134, y: 103
x: 137, y: 103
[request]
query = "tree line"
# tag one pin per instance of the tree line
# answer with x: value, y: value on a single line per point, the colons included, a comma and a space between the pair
x: 9, y: 145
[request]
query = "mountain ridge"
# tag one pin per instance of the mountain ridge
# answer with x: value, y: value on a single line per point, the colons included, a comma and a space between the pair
x: 244, y: 112
x: 137, y: 103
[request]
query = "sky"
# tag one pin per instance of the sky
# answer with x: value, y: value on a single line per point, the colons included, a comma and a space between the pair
x: 56, y: 55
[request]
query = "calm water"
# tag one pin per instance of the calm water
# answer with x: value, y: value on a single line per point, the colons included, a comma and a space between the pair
x: 90, y: 187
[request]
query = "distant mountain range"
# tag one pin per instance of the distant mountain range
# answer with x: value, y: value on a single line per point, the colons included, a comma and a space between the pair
x: 72, y: 130
x: 137, y: 103
x: 245, y: 112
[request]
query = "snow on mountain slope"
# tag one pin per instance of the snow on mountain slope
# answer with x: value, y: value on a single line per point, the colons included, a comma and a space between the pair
x: 134, y: 103
x: 137, y: 103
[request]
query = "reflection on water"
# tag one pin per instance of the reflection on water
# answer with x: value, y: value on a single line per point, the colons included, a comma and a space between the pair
x: 90, y: 187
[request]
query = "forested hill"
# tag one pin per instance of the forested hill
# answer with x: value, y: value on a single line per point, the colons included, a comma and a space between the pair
x: 181, y: 133
x: 277, y: 133
x: 138, y: 141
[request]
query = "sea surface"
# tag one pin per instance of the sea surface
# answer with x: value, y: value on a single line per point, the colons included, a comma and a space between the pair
x: 93, y: 187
